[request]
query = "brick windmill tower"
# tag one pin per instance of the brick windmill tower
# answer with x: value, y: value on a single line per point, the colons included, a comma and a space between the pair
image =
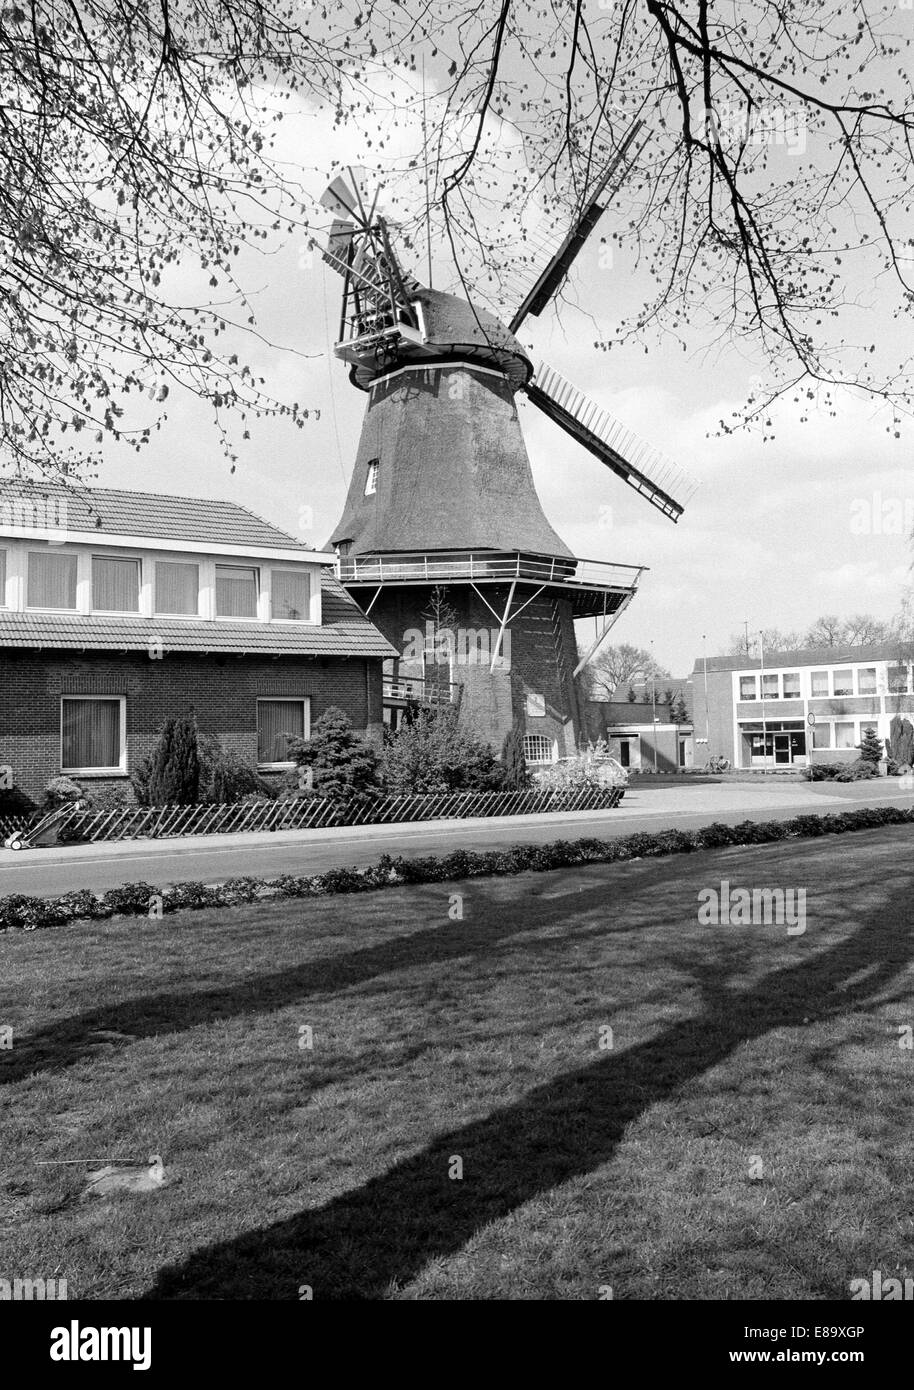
x: 443, y: 540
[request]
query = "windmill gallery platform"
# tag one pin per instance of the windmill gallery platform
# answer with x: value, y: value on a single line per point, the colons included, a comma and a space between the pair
x: 443, y: 541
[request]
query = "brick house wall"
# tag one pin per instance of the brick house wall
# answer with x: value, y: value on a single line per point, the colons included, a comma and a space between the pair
x: 222, y: 690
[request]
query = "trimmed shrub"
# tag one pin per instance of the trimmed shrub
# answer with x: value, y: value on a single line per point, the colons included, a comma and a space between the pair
x: 225, y: 777
x: 822, y: 772
x: 131, y: 899
x: 343, y: 766
x: 134, y: 899
x: 60, y: 790
x: 900, y: 743
x: 513, y: 761
x: 870, y: 747
x: 174, y: 778
x: 434, y: 753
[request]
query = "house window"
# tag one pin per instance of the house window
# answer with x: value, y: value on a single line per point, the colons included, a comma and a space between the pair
x: 843, y: 682
x: 236, y: 591
x: 115, y: 584
x: 536, y: 705
x: 898, y: 679
x: 791, y: 685
x: 770, y: 687
x: 844, y: 734
x: 371, y: 477
x: 538, y: 749
x: 291, y: 594
x: 93, y: 733
x: 866, y: 680
x: 51, y: 580
x: 747, y: 688
x: 2, y: 578
x: 819, y: 685
x: 821, y: 736
x: 277, y: 718
x: 177, y: 587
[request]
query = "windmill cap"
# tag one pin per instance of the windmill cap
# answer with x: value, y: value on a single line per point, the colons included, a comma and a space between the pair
x: 454, y: 328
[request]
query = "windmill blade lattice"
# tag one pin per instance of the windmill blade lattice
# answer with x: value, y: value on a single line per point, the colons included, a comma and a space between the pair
x: 643, y: 467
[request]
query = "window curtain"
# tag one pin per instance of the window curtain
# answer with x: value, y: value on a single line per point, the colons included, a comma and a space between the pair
x: 51, y: 580
x: 91, y: 733
x: 236, y: 592
x: 291, y: 595
x: 177, y: 587
x: 275, y: 719
x: 115, y: 585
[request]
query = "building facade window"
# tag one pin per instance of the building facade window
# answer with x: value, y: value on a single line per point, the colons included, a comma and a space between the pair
x: 290, y: 595
x: 821, y: 736
x: 819, y: 685
x: 866, y: 680
x: 115, y: 584
x: 770, y: 687
x: 898, y: 680
x: 177, y: 588
x: 277, y: 718
x: 51, y: 580
x: 843, y: 682
x: 538, y: 749
x: 371, y: 477
x: 844, y: 734
x: 93, y: 734
x: 2, y: 578
x: 791, y: 685
x: 236, y: 591
x: 747, y: 688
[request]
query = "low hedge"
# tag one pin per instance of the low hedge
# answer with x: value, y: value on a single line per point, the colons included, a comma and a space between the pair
x: 143, y: 900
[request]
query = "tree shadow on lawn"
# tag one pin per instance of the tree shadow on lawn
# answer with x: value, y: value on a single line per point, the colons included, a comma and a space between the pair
x: 71, y: 1040
x: 383, y: 1233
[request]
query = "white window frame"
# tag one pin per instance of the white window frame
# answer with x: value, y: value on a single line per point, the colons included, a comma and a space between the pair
x: 867, y: 694
x: 542, y: 739
x: 747, y: 699
x: 177, y: 559
x: 844, y: 673
x: 121, y: 769
x: 304, y: 700
x: 225, y: 563
x: 29, y: 608
x: 813, y: 694
x: 799, y: 694
x: 4, y: 549
x: 371, y: 477
x: 309, y: 576
x: 118, y: 612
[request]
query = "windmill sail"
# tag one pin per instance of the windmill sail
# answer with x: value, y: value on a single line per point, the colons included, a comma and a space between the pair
x: 644, y: 468
x: 599, y: 200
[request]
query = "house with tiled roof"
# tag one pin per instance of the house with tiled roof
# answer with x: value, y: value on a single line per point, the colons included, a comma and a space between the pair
x: 121, y: 609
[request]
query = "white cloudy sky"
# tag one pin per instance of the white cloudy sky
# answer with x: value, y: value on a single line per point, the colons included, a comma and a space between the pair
x: 773, y: 535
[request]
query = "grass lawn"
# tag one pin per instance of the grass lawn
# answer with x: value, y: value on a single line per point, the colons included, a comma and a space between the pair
x: 747, y: 1135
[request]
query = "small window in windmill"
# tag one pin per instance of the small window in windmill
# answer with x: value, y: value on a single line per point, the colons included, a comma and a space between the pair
x: 371, y: 477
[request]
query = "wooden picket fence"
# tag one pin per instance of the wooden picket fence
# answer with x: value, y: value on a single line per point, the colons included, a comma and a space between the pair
x: 311, y: 813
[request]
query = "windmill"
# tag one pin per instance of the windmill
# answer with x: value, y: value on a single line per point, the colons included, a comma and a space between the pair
x: 442, y: 511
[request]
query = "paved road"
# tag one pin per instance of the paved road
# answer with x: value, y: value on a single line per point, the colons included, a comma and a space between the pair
x: 212, y: 858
